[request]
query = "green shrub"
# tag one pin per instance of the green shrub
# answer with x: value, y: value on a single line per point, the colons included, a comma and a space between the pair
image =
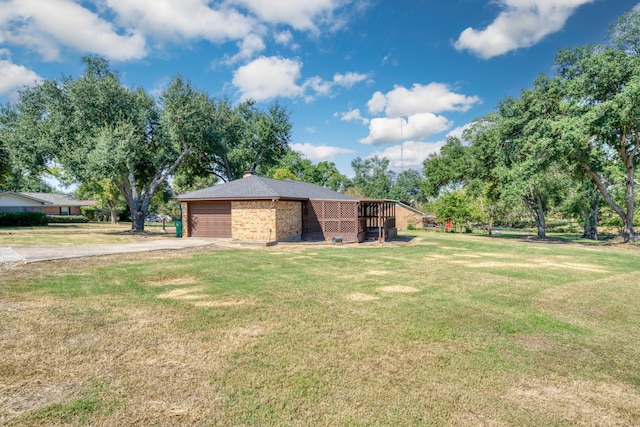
x: 89, y: 212
x: 410, y: 227
x: 67, y: 219
x: 23, y: 219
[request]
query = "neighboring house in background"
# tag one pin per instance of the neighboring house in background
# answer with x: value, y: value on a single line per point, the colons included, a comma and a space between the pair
x: 266, y: 209
x: 47, y: 203
x: 406, y: 215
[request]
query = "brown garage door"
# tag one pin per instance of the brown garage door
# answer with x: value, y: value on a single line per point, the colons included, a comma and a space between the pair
x: 210, y: 219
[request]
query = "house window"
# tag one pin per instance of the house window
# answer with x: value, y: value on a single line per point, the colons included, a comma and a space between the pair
x: 65, y: 210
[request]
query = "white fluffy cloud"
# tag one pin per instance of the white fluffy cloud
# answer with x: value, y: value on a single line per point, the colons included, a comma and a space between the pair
x: 13, y: 76
x: 299, y: 14
x: 283, y: 38
x: 353, y: 115
x: 186, y: 19
x: 388, y: 130
x: 47, y: 26
x: 349, y: 79
x: 271, y: 77
x: 522, y: 23
x: 409, y: 155
x: 267, y: 78
x: 420, y: 105
x: 319, y: 152
x: 432, y: 98
x: 248, y: 48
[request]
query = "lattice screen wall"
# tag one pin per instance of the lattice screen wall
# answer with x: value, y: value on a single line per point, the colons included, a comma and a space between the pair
x: 325, y: 219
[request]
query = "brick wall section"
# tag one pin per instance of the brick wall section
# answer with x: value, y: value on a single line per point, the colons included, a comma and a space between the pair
x: 55, y: 210
x: 185, y: 219
x: 405, y: 216
x: 288, y: 220
x: 253, y: 220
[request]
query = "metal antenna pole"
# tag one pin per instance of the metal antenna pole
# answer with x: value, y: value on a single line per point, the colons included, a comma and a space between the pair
x: 401, y: 146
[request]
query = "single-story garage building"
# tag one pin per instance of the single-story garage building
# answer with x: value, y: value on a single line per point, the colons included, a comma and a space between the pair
x: 266, y: 209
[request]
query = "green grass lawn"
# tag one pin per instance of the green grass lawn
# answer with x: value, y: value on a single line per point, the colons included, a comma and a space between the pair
x: 443, y: 330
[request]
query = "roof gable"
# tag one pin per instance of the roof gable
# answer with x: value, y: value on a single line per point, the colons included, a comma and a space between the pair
x: 11, y: 198
x: 412, y: 209
x: 259, y: 187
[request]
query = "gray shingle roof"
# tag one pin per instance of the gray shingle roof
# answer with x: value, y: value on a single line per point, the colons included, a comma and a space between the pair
x: 56, y: 199
x: 258, y: 187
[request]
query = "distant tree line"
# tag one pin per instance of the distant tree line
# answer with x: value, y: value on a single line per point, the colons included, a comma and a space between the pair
x: 570, y: 143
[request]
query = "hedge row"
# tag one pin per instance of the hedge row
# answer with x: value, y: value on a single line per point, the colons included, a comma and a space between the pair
x: 23, y: 219
x: 66, y: 219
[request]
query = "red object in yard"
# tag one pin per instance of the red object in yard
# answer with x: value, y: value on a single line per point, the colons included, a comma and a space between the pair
x: 448, y: 224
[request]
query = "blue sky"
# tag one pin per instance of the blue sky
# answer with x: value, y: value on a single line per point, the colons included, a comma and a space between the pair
x: 359, y: 77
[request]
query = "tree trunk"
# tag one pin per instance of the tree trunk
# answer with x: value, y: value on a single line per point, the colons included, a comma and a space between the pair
x: 492, y: 213
x: 113, y: 214
x: 534, y: 203
x: 138, y: 198
x: 591, y: 219
x: 137, y: 221
x: 628, y: 233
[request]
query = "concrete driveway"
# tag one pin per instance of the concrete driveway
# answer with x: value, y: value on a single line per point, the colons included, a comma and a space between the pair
x: 26, y: 254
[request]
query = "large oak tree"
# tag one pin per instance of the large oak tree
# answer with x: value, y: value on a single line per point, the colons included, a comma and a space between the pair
x: 98, y: 129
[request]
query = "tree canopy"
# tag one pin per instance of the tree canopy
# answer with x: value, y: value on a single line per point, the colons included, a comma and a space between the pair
x: 97, y: 129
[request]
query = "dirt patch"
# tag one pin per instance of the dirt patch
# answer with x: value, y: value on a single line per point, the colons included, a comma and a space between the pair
x: 577, y: 402
x: 399, y: 289
x: 361, y: 297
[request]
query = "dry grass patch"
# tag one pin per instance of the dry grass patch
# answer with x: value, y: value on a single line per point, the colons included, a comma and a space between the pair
x: 229, y: 303
x: 467, y: 256
x: 398, y: 289
x: 65, y: 347
x: 361, y: 297
x: 180, y: 280
x: 182, y: 293
x: 574, y: 266
x: 495, y: 264
x: 576, y: 402
x: 377, y: 272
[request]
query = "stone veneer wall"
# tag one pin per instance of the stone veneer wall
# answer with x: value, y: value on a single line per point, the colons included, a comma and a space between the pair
x: 185, y: 219
x: 288, y: 220
x: 405, y: 217
x: 253, y: 220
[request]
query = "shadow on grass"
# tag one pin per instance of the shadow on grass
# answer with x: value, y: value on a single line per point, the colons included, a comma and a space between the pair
x: 405, y: 238
x: 564, y: 239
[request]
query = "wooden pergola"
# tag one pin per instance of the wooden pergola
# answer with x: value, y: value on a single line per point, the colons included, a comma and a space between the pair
x: 377, y: 220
